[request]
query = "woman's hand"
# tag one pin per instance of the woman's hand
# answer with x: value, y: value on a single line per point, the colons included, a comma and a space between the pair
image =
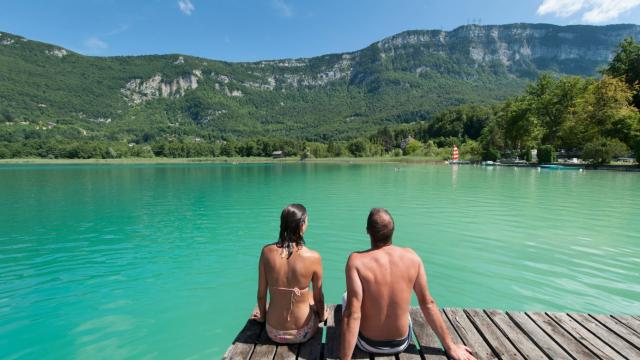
x: 323, y: 317
x: 257, y: 316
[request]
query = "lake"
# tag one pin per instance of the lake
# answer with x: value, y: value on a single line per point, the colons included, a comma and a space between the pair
x: 160, y: 261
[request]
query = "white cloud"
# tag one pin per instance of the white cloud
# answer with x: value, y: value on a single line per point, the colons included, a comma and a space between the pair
x: 593, y: 11
x: 186, y: 6
x: 95, y: 45
x: 284, y: 9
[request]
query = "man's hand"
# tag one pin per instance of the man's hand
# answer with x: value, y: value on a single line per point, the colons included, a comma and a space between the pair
x: 460, y: 352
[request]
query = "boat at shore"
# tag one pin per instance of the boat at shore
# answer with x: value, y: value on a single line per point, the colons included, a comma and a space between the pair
x: 558, y: 167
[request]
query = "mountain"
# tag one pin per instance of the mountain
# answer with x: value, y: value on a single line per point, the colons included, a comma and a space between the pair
x: 402, y: 78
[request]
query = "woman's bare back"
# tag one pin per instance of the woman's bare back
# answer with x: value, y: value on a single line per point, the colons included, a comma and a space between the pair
x: 288, y: 280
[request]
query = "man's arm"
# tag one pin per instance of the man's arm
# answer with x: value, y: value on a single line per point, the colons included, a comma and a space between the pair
x: 318, y: 295
x: 262, y: 290
x: 432, y: 315
x: 351, y: 314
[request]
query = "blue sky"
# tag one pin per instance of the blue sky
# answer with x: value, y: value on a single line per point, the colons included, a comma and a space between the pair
x: 247, y: 30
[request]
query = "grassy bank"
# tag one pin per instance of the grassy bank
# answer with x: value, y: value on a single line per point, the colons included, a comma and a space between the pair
x: 225, y: 160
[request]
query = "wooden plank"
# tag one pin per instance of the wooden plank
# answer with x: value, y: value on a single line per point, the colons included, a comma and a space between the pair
x: 332, y: 347
x: 542, y: 340
x: 560, y: 336
x: 519, y: 339
x: 265, y: 348
x: 332, y: 331
x: 581, y: 334
x: 608, y: 336
x: 452, y: 332
x: 469, y: 334
x: 312, y: 349
x: 245, y: 341
x: 286, y: 352
x: 427, y: 339
x: 621, y: 330
x: 629, y: 322
x: 411, y: 352
x: 384, y: 357
x: 493, y: 335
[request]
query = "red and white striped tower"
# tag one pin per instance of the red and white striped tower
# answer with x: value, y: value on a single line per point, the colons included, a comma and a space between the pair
x: 455, y: 153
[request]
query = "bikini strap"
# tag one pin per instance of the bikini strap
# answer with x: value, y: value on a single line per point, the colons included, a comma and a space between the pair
x: 294, y: 292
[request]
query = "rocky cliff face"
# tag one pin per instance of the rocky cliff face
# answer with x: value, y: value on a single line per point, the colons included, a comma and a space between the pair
x: 517, y: 50
x: 137, y: 91
x: 405, y: 77
x: 537, y: 47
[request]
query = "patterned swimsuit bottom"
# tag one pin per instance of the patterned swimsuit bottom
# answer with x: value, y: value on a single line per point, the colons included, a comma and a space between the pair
x: 299, y: 335
x: 295, y: 336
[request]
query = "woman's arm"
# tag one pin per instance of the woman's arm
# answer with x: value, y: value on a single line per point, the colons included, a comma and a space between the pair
x: 262, y: 290
x: 318, y: 295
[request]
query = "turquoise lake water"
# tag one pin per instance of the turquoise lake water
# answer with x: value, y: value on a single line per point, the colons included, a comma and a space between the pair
x: 160, y: 261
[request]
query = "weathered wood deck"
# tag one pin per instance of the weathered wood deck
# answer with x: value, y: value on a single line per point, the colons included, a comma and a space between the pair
x: 491, y: 334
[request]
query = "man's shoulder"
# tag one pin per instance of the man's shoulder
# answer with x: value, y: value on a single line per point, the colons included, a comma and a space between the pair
x: 407, y: 253
x: 407, y: 250
x: 356, y: 257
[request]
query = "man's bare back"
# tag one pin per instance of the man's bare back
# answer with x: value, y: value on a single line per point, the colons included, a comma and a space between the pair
x: 379, y: 285
x: 387, y: 276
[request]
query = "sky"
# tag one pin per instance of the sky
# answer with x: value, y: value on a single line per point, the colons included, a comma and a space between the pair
x: 250, y: 30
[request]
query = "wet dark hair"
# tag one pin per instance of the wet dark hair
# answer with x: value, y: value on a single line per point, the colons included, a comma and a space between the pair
x: 380, y: 226
x: 292, y: 219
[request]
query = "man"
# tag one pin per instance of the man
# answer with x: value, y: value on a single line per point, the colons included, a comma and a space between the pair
x: 379, y: 283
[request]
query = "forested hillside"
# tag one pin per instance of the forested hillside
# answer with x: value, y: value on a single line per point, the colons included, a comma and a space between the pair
x: 51, y: 94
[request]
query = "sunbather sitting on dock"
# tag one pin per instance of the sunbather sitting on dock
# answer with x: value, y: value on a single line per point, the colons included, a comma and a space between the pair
x: 379, y: 284
x: 286, y: 268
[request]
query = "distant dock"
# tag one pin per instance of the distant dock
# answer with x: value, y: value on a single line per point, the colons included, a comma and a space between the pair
x: 492, y: 334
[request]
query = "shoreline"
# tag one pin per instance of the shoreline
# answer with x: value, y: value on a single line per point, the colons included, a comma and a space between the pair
x: 219, y: 160
x: 289, y: 160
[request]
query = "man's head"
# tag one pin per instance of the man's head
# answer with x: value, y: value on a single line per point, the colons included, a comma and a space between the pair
x: 380, y: 227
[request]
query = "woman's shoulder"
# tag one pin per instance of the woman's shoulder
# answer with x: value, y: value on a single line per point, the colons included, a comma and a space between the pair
x: 269, y: 248
x: 306, y: 252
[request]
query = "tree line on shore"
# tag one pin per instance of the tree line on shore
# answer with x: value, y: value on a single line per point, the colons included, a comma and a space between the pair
x: 595, y: 119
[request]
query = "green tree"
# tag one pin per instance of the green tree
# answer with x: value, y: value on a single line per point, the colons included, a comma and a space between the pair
x: 626, y: 64
x: 604, y: 111
x: 228, y: 149
x: 413, y: 147
x: 491, y: 154
x: 336, y: 149
x: 546, y: 154
x: 553, y: 101
x: 471, y: 150
x: 318, y: 150
x: 358, y: 147
x: 385, y: 137
x: 521, y: 128
x: 603, y: 150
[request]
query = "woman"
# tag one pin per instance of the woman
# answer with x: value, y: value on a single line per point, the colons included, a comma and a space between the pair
x: 286, y: 268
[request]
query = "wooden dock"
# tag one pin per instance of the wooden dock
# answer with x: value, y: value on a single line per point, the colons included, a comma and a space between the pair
x: 491, y: 334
